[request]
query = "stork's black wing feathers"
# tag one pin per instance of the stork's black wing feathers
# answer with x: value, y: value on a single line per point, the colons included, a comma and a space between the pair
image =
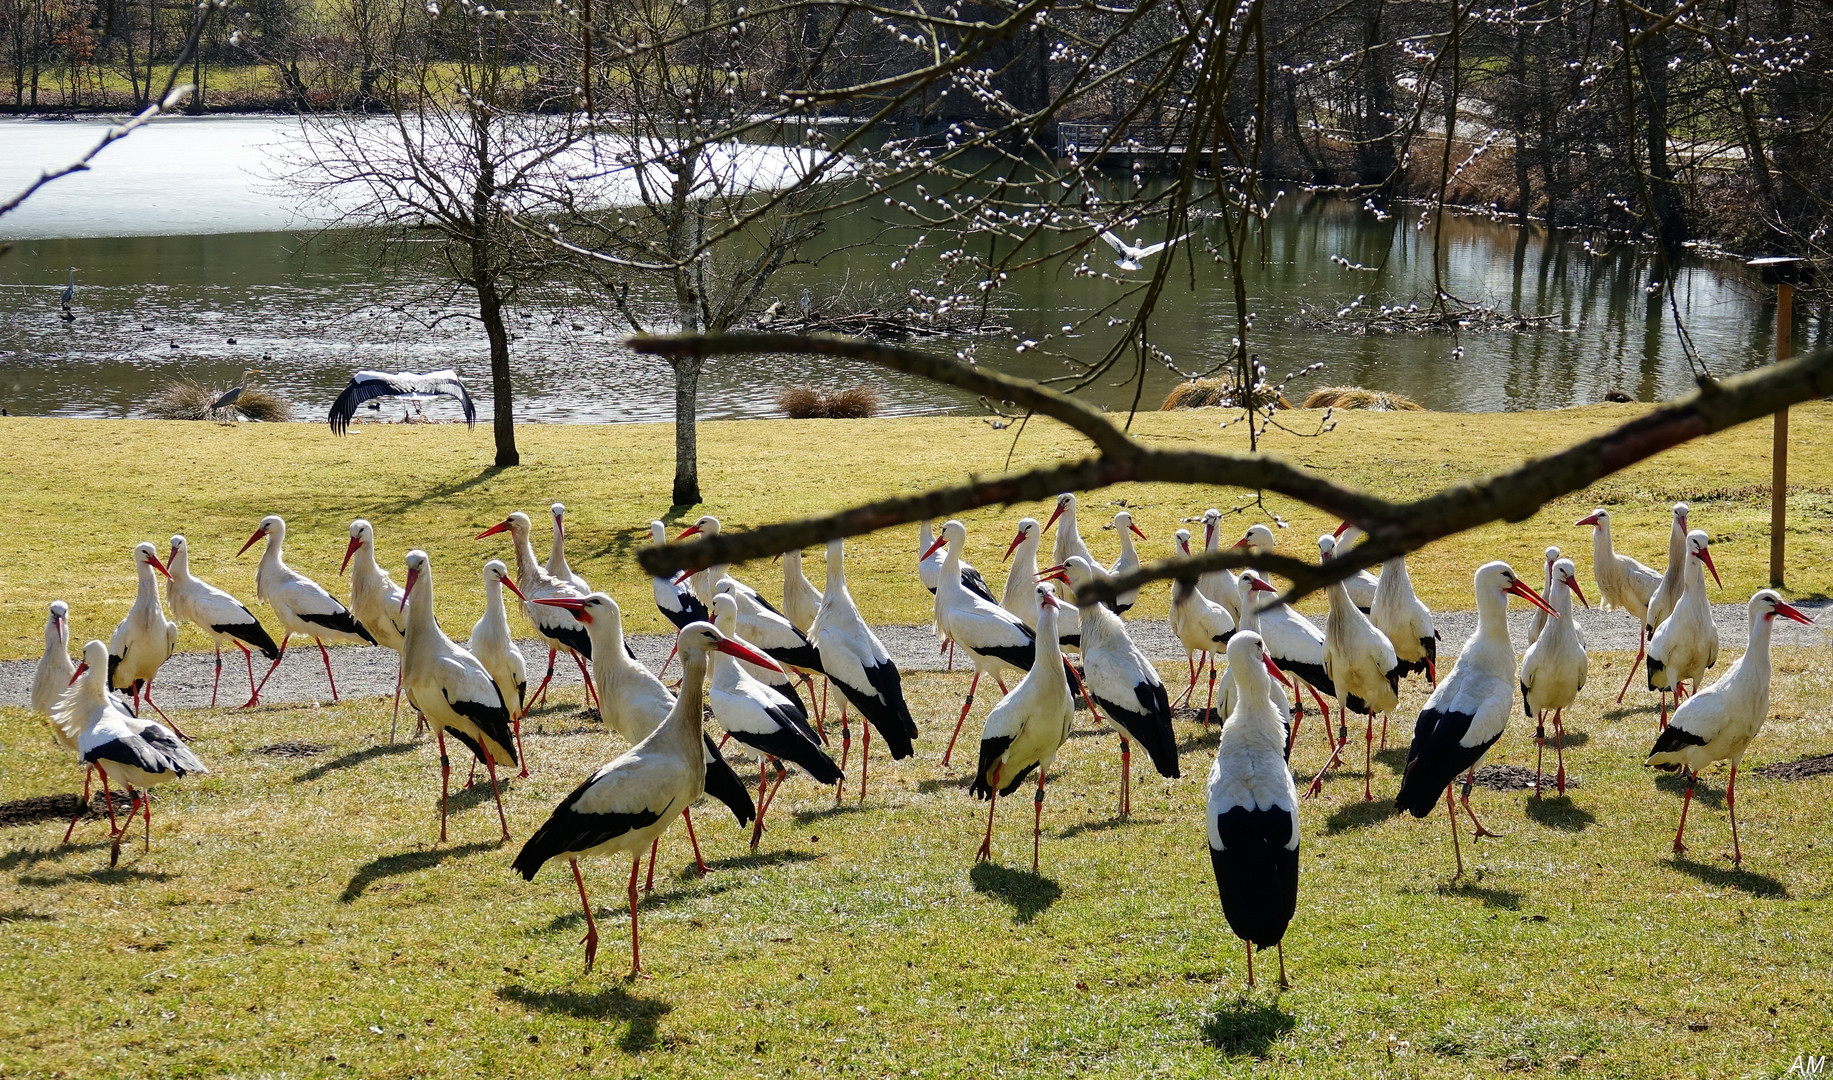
x: 1256, y: 874
x: 974, y: 583
x: 723, y: 784
x: 492, y: 720
x: 368, y: 385
x: 1147, y: 722
x: 1435, y: 759
x: 885, y: 708
x: 692, y: 610
x: 251, y: 633
x: 567, y: 831
x: 341, y: 621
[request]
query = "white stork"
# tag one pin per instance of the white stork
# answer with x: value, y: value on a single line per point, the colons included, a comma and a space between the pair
x: 929, y: 570
x: 556, y: 556
x: 627, y: 804
x: 125, y: 748
x: 1623, y: 584
x: 144, y: 640
x: 369, y: 385
x: 495, y: 648
x: 761, y: 719
x: 1686, y: 643
x: 1553, y: 669
x: 679, y: 604
x: 1362, y: 586
x: 1221, y: 585
x: 452, y: 689
x: 375, y: 600
x: 1719, y: 722
x: 1296, y: 645
x: 1469, y: 709
x: 1252, y: 808
x: 1020, y: 594
x: 856, y: 662
x: 557, y: 626
x: 1069, y: 539
x: 1201, y: 626
x: 1397, y: 612
x: 1539, y: 621
x: 1120, y: 681
x: 219, y: 615
x: 1025, y: 730
x: 300, y: 605
x: 1361, y: 663
x: 801, y: 600
x: 1666, y: 596
x: 636, y: 703
x: 55, y: 669
x: 1128, y: 561
x: 994, y: 638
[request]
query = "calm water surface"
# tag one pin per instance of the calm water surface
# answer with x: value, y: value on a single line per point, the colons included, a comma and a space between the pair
x: 185, y: 242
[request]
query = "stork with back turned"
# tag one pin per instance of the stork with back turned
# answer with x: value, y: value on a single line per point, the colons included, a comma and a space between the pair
x: 1361, y: 663
x: 1554, y: 668
x: 219, y: 615
x: 1202, y: 627
x: 1623, y: 584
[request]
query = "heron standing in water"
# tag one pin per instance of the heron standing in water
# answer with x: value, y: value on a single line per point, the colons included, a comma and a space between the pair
x: 63, y: 302
x: 233, y: 395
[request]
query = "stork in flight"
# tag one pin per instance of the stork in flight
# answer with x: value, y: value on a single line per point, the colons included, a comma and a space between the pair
x: 368, y: 385
x: 1132, y: 255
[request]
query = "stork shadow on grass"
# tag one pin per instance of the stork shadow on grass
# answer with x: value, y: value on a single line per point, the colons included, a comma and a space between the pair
x: 1491, y: 896
x: 1675, y: 784
x: 1731, y: 877
x: 1029, y: 894
x: 392, y: 512
x: 1246, y: 1028
x: 119, y: 875
x: 353, y: 759
x: 1106, y: 824
x: 1360, y: 814
x: 27, y: 858
x: 407, y: 862
x: 613, y: 1004
x: 1559, y: 812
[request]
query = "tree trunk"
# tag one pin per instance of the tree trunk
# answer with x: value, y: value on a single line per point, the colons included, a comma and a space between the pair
x: 1664, y: 190
x: 687, y: 443
x: 490, y: 312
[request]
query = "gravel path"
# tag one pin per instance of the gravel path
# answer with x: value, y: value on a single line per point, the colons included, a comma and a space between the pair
x: 185, y: 679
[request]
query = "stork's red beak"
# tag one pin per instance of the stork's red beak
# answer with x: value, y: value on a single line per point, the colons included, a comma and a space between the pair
x: 682, y: 576
x: 501, y: 526
x: 1049, y: 600
x: 1341, y: 529
x: 1013, y: 546
x: 1243, y: 542
x: 1136, y: 531
x: 1057, y: 513
x: 348, y: 552
x: 1789, y: 611
x: 1572, y: 583
x: 572, y: 605
x: 1054, y: 573
x: 1705, y: 556
x: 747, y: 654
x: 933, y: 548
x: 259, y: 533
x: 1591, y: 519
x: 511, y: 586
x: 172, y: 554
x: 1257, y: 585
x: 691, y: 530
x: 159, y: 566
x: 1209, y: 534
x: 1521, y: 588
x: 413, y: 578
x: 82, y: 666
x: 1273, y: 670
x: 1184, y: 547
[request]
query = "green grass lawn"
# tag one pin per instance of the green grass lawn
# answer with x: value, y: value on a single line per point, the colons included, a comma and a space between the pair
x: 297, y: 918
x: 85, y: 491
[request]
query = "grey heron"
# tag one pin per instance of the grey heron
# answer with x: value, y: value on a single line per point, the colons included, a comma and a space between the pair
x: 63, y: 302
x: 234, y: 394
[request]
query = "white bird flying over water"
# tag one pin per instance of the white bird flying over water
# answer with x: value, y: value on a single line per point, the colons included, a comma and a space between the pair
x: 1131, y: 255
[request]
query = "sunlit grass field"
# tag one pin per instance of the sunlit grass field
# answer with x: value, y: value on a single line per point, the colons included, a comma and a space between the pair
x: 296, y: 917
x: 83, y: 492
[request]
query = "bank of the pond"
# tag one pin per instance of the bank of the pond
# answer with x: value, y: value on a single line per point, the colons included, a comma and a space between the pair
x: 83, y: 492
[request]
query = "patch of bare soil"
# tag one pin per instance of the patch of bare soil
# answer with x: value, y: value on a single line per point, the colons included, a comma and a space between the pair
x: 1516, y: 778
x: 1800, y: 769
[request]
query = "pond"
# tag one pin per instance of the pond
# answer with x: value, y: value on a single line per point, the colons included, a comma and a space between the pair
x: 194, y: 264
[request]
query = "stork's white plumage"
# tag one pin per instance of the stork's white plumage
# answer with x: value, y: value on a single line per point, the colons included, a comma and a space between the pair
x: 1295, y: 644
x: 1539, y: 621
x: 1666, y: 597
x: 55, y: 668
x: 679, y: 604
x: 144, y: 640
x: 1122, y: 684
x: 1128, y: 561
x: 219, y: 615
x: 636, y: 703
x: 556, y: 556
x: 555, y: 625
x: 790, y: 648
x: 1252, y: 809
x: 1069, y: 539
x: 453, y: 689
x: 1720, y: 722
x: 1361, y: 663
x: 300, y: 605
x: 1397, y: 612
x: 495, y: 647
x: 1020, y: 594
x: 994, y: 638
x: 1686, y: 642
x: 1623, y: 584
x: 369, y: 385
x: 1026, y: 729
x: 1553, y: 669
x: 1469, y: 709
x: 929, y: 565
x: 131, y: 751
x: 626, y: 805
x: 801, y: 600
x: 1222, y: 586
x: 1202, y: 626
x: 375, y: 600
x: 857, y: 663
x: 760, y: 718
x: 1362, y: 586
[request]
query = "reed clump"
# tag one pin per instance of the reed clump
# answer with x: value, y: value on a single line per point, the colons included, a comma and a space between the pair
x: 1210, y: 393
x: 1357, y: 397
x: 186, y: 400
x: 809, y: 403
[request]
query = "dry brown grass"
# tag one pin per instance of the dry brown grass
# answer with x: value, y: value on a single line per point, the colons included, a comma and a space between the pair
x: 808, y: 403
x: 185, y: 400
x: 1204, y: 394
x: 1356, y: 397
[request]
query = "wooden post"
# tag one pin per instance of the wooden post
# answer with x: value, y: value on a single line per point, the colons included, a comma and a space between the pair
x: 1778, y: 480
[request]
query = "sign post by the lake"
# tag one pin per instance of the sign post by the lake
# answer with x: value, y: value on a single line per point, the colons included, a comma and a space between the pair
x: 1784, y: 273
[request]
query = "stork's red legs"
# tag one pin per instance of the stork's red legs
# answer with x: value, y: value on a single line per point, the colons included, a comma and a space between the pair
x: 1641, y: 651
x: 636, y: 944
x: 962, y: 719
x: 1451, y: 810
x: 1680, y: 848
x: 986, y: 845
x: 590, y: 941
x: 445, y: 782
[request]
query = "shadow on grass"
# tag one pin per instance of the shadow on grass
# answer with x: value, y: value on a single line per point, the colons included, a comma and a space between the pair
x: 478, y: 794
x: 407, y: 862
x: 1201, y: 740
x: 19, y: 914
x: 1559, y: 812
x: 353, y: 759
x: 758, y: 860
x: 1506, y: 899
x: 117, y: 876
x: 613, y: 1003
x: 1731, y: 878
x: 930, y: 787
x: 1394, y: 757
x: 1676, y: 784
x: 1107, y: 824
x: 1359, y: 815
x: 1244, y: 1028
x: 26, y: 858
x: 437, y: 493
x: 1572, y: 738
x: 840, y: 809
x: 669, y: 891
x: 1029, y: 894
